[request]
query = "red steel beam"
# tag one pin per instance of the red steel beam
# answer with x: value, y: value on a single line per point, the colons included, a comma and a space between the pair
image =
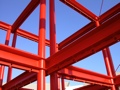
x: 82, y: 75
x: 90, y: 26
x: 99, y: 38
x: 93, y: 87
x: 18, y: 58
x: 22, y: 33
x: 23, y: 16
x: 19, y: 81
x: 80, y: 9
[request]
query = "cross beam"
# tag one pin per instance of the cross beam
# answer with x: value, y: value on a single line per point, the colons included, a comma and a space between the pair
x: 18, y: 58
x: 82, y: 75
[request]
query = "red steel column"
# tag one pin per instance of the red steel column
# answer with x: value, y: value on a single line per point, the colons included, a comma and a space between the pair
x: 109, y: 66
x: 1, y: 75
x: 3, y: 67
x: 9, y: 76
x: 53, y: 77
x: 63, y: 83
x: 41, y: 46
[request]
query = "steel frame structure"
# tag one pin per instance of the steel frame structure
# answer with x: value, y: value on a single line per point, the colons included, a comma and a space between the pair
x: 99, y: 34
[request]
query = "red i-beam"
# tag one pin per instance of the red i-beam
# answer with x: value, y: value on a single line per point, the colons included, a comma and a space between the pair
x: 92, y: 38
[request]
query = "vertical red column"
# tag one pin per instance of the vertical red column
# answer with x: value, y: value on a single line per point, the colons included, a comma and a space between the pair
x: 41, y: 46
x: 9, y: 76
x: 63, y: 83
x: 1, y: 74
x: 109, y: 66
x: 54, y: 84
x: 3, y: 67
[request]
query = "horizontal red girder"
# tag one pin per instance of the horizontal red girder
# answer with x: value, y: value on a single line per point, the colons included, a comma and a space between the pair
x: 82, y: 75
x: 92, y: 42
x: 15, y: 57
x: 75, y: 73
x: 20, y: 81
x: 26, y: 12
x: 22, y: 33
x: 93, y: 87
x: 113, y: 11
x: 80, y: 9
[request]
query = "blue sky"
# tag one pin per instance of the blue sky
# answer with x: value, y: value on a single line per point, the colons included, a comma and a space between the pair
x: 67, y: 22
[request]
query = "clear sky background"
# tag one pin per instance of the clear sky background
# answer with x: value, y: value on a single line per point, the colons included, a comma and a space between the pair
x: 68, y: 21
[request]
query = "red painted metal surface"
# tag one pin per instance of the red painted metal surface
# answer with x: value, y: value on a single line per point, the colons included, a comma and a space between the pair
x: 3, y: 67
x: 25, y: 89
x: 117, y: 80
x: 92, y: 38
x: 28, y: 60
x: 53, y: 48
x: 19, y: 81
x: 109, y: 66
x: 63, y: 83
x: 9, y: 76
x: 41, y: 46
x: 70, y: 73
x: 82, y: 75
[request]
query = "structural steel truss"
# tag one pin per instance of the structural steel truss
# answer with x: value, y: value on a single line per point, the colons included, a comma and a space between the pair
x: 98, y: 35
